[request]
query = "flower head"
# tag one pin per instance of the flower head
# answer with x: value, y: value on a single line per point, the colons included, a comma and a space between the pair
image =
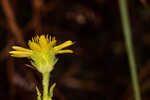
x: 42, y: 50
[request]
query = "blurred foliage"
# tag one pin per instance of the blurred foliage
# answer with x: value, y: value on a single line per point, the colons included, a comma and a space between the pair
x: 99, y: 68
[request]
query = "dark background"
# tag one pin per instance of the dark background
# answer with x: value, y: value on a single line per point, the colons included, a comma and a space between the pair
x: 98, y: 69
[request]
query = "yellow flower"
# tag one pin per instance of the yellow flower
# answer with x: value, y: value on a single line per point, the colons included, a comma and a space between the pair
x: 42, y: 52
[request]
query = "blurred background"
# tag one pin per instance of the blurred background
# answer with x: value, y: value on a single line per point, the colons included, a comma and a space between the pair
x: 98, y: 69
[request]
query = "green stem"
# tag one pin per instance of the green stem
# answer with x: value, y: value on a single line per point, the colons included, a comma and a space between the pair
x: 45, y: 83
x: 129, y: 47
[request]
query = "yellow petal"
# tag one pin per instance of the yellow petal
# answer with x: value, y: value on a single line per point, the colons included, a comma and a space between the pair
x: 65, y: 51
x: 36, y: 38
x: 17, y: 48
x: 48, y: 37
x: 52, y: 42
x: 33, y: 45
x: 20, y: 54
x: 43, y: 42
x: 63, y: 45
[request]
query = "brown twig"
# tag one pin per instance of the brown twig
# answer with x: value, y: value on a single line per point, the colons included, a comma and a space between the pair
x: 10, y: 17
x: 37, y: 15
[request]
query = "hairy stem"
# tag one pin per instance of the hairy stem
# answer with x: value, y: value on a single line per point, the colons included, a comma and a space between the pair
x: 45, y: 83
